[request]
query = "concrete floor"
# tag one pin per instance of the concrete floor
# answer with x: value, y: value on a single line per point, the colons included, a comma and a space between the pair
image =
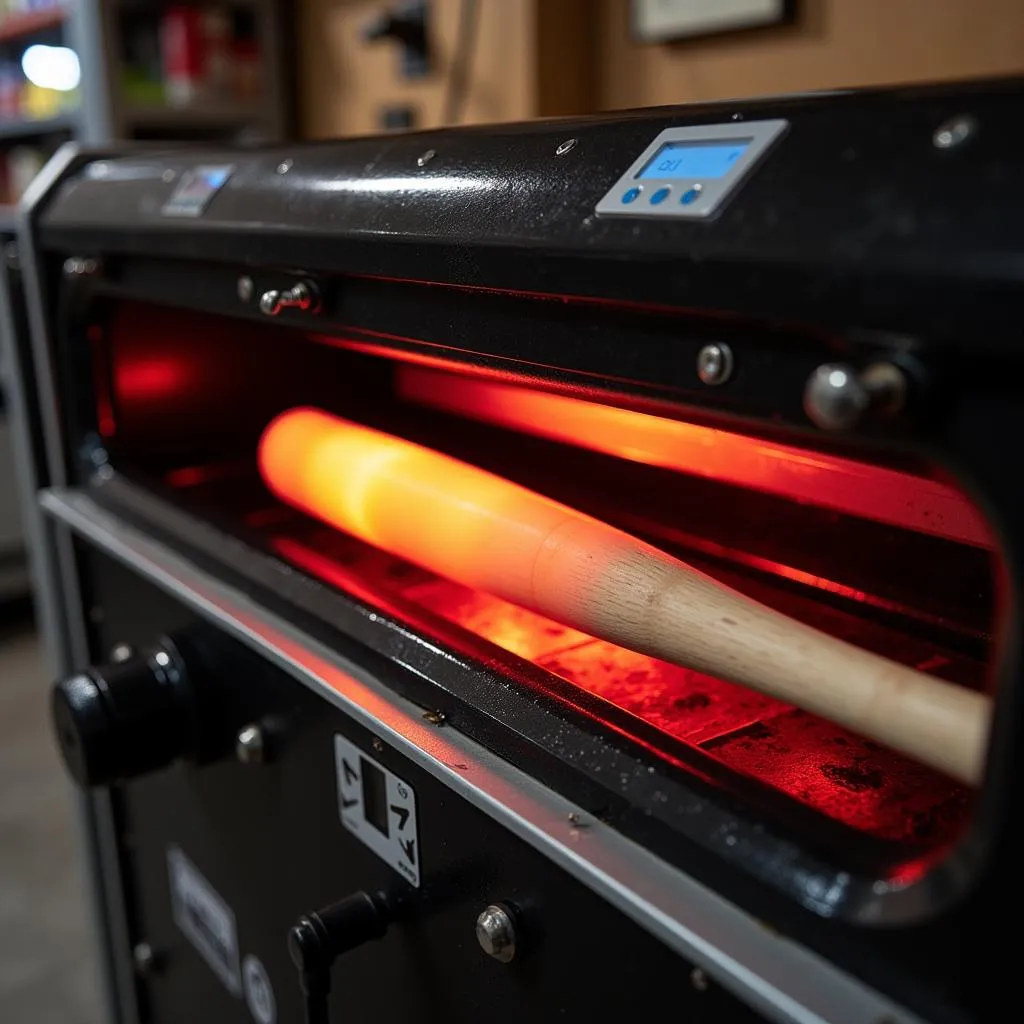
x: 47, y: 971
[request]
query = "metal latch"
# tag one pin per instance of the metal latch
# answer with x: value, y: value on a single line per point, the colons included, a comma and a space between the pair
x: 303, y: 295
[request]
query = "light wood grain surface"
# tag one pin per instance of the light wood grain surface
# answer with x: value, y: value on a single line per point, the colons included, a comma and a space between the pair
x: 493, y: 535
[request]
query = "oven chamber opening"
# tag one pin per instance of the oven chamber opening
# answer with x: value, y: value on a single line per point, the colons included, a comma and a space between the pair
x: 892, y: 558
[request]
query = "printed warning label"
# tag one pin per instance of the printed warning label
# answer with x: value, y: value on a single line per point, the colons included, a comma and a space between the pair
x: 205, y: 919
x: 379, y: 808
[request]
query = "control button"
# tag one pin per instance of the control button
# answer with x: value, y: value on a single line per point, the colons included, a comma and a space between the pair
x: 691, y: 195
x: 631, y: 194
x: 660, y: 196
x: 127, y: 718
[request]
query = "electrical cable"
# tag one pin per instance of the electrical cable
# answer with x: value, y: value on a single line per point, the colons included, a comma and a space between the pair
x: 458, y: 77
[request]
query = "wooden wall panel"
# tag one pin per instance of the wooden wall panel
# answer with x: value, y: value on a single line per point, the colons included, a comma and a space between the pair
x: 531, y: 57
x: 551, y: 57
x: 833, y: 44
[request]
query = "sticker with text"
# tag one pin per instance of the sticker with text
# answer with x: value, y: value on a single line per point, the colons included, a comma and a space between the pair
x: 379, y: 808
x: 205, y: 919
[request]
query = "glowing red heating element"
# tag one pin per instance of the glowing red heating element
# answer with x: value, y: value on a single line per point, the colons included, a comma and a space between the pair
x: 828, y: 481
x: 347, y: 474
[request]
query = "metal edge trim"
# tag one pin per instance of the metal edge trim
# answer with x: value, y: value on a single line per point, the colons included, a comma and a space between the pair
x: 52, y: 568
x: 781, y: 979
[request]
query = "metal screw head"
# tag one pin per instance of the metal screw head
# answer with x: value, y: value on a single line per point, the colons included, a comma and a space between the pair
x: 699, y: 980
x: 424, y: 158
x: 167, y: 175
x: 120, y: 653
x: 566, y: 146
x: 78, y: 266
x: 144, y: 958
x: 954, y: 131
x: 246, y: 288
x: 11, y: 255
x: 250, y: 747
x: 834, y: 397
x: 714, y: 364
x: 496, y: 933
x: 285, y: 166
x: 377, y: 744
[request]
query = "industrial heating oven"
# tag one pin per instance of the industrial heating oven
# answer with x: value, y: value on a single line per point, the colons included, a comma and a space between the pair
x: 288, y: 414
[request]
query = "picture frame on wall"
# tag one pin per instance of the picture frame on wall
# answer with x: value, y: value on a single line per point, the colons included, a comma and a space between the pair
x: 664, y: 21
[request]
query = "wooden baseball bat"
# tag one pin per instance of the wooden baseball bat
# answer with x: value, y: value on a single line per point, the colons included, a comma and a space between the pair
x: 493, y: 535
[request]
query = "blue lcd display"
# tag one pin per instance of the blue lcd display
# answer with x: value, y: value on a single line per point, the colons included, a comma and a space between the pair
x: 196, y: 188
x: 694, y: 159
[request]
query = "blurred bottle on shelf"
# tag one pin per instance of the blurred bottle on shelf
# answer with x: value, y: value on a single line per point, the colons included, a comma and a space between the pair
x: 181, y: 50
x: 208, y: 54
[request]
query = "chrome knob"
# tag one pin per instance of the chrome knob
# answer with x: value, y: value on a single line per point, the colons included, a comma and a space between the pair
x: 303, y: 295
x: 837, y: 397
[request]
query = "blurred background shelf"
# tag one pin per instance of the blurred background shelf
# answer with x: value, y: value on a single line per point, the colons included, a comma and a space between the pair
x: 25, y: 23
x: 201, y: 115
x: 27, y: 127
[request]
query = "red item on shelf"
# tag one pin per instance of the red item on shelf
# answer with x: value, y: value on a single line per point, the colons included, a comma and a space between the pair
x: 182, y: 53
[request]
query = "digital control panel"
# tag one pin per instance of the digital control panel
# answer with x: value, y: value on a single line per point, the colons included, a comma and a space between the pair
x: 689, y: 172
x: 196, y: 188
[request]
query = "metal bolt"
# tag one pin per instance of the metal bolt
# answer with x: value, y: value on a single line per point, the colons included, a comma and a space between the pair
x: 954, y: 131
x: 566, y: 146
x: 11, y: 256
x: 699, y: 980
x: 285, y: 166
x: 434, y: 717
x: 836, y: 396
x: 737, y: 117
x: 78, y: 266
x: 496, y: 933
x: 246, y: 288
x: 714, y: 364
x: 144, y: 958
x: 250, y: 745
x: 377, y: 744
x: 120, y: 653
x: 168, y: 175
x: 424, y: 158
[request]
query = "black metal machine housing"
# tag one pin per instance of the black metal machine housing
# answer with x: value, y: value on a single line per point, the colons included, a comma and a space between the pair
x: 321, y: 783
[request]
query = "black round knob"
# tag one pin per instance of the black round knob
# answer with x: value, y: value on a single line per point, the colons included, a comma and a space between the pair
x: 123, y: 720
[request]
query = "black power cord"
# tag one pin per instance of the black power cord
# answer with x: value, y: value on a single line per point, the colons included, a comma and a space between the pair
x: 318, y: 939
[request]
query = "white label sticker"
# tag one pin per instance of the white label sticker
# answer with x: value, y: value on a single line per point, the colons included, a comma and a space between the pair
x: 379, y: 808
x: 205, y: 919
x: 259, y: 994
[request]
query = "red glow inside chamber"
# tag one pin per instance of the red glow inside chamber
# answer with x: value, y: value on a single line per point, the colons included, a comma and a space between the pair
x: 845, y: 485
x: 823, y: 766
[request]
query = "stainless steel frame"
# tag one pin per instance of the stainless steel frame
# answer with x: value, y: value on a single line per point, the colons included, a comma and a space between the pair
x: 58, y: 610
